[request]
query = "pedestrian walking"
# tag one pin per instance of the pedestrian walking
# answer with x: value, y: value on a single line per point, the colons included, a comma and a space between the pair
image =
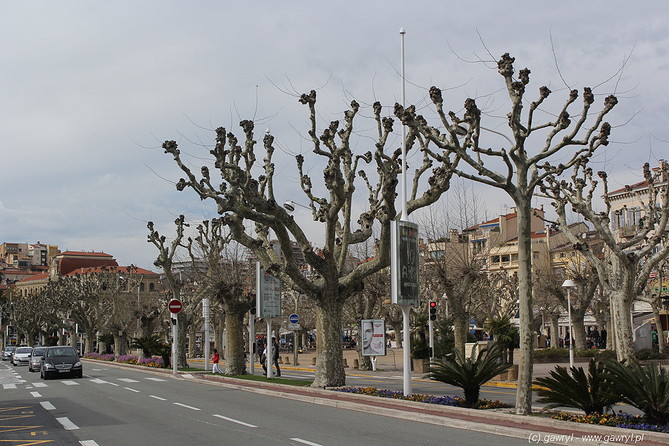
x: 215, y: 358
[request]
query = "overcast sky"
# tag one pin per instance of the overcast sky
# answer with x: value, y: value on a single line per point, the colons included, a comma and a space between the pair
x: 90, y: 90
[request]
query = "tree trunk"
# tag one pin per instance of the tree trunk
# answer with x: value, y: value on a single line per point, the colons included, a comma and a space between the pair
x: 460, y: 325
x: 234, y: 342
x: 555, y: 329
x: 192, y: 343
x: 577, y: 320
x: 622, y: 326
x: 658, y: 327
x: 182, y: 320
x: 524, y: 391
x: 88, y: 343
x: 329, y: 354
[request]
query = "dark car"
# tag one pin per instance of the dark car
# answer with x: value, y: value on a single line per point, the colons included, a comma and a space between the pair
x: 7, y: 352
x: 35, y: 359
x: 61, y: 361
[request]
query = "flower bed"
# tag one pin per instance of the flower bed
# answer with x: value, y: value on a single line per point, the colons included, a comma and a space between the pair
x: 621, y: 419
x: 421, y: 398
x: 99, y: 357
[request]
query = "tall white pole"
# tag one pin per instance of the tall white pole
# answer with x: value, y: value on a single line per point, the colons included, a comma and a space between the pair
x: 406, y: 309
x: 405, y: 213
x: 252, y: 338
x: 406, y: 350
x: 268, y: 346
x: 205, y: 335
x: 571, y: 331
x: 175, y: 337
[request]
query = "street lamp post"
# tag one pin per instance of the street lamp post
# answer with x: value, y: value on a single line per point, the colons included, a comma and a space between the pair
x: 569, y: 284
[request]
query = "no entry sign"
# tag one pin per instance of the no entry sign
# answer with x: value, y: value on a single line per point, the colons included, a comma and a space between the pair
x: 175, y: 306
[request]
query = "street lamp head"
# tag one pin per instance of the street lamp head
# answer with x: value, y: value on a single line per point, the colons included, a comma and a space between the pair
x: 289, y: 205
x: 568, y: 283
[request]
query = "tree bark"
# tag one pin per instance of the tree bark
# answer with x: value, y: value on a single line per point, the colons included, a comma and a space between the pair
x: 578, y: 321
x: 555, y: 329
x: 234, y: 363
x: 525, y: 364
x: 329, y: 354
x: 622, y: 326
x: 460, y: 333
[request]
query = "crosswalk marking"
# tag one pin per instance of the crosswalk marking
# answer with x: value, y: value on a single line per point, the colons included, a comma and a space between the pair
x: 47, y: 405
x: 156, y: 379
x: 9, y: 386
x: 70, y: 383
x: 128, y: 380
x: 36, y: 394
x: 40, y: 385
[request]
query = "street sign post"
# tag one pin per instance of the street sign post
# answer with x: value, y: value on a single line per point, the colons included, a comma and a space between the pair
x: 293, y: 318
x: 404, y: 263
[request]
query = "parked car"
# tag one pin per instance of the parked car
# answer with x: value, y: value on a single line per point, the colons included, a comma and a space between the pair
x: 35, y: 360
x: 61, y: 361
x: 21, y: 355
x: 7, y: 352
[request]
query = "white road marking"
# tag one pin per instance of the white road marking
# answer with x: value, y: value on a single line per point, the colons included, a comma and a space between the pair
x: 47, y: 405
x: 67, y: 424
x: 156, y: 379
x: 70, y: 383
x: 128, y: 380
x: 187, y: 375
x: 158, y: 398
x: 187, y: 407
x: 235, y: 421
x: 88, y: 443
x: 299, y: 440
x: 9, y: 386
x: 99, y: 381
x: 132, y: 390
x: 40, y: 385
x: 36, y: 394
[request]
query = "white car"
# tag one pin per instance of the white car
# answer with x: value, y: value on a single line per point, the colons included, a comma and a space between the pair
x: 21, y: 355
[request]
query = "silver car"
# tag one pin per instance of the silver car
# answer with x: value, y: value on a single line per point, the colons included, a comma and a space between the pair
x: 21, y: 355
x: 35, y: 360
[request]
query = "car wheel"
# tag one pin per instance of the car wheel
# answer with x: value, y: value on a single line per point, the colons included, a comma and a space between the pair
x: 30, y: 369
x: 80, y: 374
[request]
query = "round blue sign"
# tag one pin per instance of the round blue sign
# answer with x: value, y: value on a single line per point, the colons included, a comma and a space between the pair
x: 293, y: 318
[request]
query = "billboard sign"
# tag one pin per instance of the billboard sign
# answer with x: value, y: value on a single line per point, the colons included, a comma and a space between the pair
x: 373, y: 333
x: 268, y: 294
x: 404, y: 263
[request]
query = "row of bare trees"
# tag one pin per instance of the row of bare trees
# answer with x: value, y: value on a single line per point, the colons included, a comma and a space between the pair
x: 530, y: 153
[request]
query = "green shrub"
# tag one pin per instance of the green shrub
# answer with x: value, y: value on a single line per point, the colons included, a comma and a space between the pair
x: 551, y: 353
x: 591, y: 393
x: 645, y: 387
x: 467, y: 373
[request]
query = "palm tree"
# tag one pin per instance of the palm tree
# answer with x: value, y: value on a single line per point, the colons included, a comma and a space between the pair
x: 645, y: 387
x: 590, y: 393
x: 467, y: 373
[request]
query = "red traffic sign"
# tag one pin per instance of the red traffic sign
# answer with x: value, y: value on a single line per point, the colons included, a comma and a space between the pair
x: 175, y: 306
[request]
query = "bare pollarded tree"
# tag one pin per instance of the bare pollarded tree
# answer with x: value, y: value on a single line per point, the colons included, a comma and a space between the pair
x: 516, y: 162
x: 248, y: 202
x: 624, y: 269
x: 229, y: 280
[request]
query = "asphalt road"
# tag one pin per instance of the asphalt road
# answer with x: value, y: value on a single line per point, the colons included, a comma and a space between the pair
x: 122, y: 406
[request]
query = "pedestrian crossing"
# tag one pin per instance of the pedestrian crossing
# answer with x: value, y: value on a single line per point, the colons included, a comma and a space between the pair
x: 23, y: 384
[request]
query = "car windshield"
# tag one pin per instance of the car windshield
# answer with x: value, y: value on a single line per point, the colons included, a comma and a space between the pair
x: 38, y: 352
x: 65, y: 351
x: 24, y: 350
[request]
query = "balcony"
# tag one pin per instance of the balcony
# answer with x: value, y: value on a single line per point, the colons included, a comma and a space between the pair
x: 628, y: 231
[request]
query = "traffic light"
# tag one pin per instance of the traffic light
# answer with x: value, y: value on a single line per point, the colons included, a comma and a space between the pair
x: 433, y: 310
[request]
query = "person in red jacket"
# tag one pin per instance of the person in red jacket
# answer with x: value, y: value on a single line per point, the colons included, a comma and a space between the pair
x: 215, y: 359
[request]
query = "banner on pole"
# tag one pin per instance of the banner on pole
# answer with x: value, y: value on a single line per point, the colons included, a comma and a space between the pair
x: 268, y: 294
x: 404, y: 263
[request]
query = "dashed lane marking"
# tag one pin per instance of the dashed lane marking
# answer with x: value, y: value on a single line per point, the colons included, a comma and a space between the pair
x: 232, y: 420
x: 47, y: 405
x: 67, y: 424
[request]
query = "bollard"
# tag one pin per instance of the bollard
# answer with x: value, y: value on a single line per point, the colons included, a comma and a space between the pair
x: 279, y: 360
x: 287, y: 361
x: 356, y: 363
x: 313, y: 360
